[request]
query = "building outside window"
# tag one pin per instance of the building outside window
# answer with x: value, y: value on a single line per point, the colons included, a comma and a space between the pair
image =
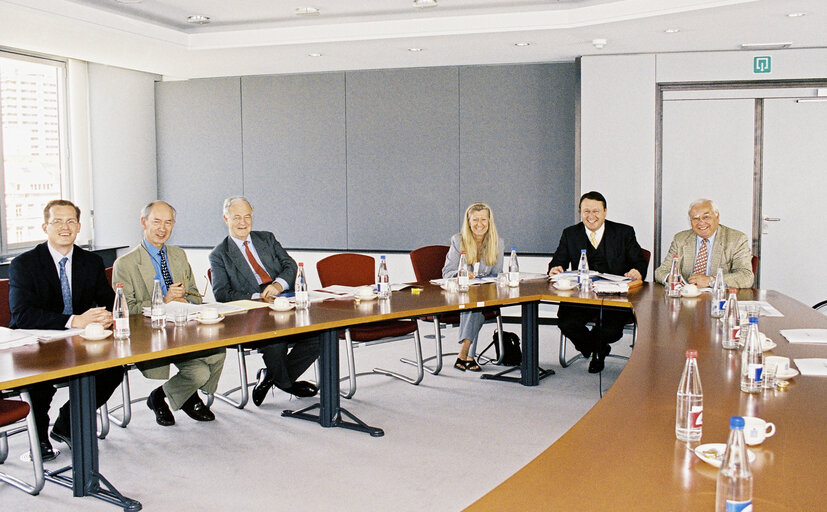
x: 32, y: 159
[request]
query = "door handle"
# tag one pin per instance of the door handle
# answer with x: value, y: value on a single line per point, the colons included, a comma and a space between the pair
x: 772, y: 219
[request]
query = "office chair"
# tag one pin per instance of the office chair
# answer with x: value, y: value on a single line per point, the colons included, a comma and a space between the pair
x: 348, y: 269
x: 12, y: 414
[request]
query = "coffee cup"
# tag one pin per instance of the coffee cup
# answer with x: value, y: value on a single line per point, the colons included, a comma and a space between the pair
x: 564, y: 284
x: 281, y: 303
x: 781, y: 363
x: 209, y: 313
x: 690, y: 289
x: 364, y: 292
x: 756, y: 430
x: 93, y: 330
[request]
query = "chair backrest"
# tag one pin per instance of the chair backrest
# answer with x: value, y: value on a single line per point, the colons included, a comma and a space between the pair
x: 428, y: 262
x: 346, y: 269
x: 5, y: 309
x: 755, y: 261
x: 647, y: 255
x: 209, y: 275
x: 108, y: 272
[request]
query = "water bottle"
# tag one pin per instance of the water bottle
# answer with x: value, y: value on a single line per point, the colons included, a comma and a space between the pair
x: 690, y: 405
x: 158, y: 310
x: 734, y: 489
x: 120, y: 314
x: 462, y: 273
x: 300, y: 289
x: 383, y: 280
x: 513, y: 269
x: 732, y: 322
x: 718, y: 301
x: 583, y: 270
x: 674, y: 281
x: 752, y: 360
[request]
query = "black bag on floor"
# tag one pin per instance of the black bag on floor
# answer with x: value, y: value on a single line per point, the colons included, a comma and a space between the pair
x: 512, y: 355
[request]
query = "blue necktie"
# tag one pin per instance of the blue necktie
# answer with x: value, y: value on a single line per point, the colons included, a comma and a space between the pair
x: 165, y: 270
x: 65, y: 288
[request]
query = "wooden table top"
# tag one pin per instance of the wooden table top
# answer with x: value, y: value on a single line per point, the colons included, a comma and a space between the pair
x: 623, y: 455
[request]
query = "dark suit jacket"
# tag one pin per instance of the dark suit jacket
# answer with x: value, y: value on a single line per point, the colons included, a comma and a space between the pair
x: 232, y: 277
x: 35, y: 298
x: 617, y: 253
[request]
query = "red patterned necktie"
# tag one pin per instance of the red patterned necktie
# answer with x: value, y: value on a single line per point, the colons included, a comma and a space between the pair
x: 700, y: 261
x: 262, y: 274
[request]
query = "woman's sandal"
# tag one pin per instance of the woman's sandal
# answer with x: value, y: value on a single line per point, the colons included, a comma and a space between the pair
x: 469, y: 365
x: 460, y: 365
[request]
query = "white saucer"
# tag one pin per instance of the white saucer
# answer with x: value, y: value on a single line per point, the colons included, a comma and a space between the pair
x: 719, y: 449
x: 210, y: 321
x: 275, y: 307
x: 366, y: 297
x: 571, y: 287
x: 106, y: 333
x: 787, y: 374
x: 768, y: 344
x: 684, y: 293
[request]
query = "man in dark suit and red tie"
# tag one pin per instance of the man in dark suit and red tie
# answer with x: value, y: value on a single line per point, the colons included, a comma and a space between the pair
x: 251, y: 264
x: 58, y: 285
x: 610, y: 248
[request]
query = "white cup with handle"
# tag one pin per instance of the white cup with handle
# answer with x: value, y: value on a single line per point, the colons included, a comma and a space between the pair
x: 756, y: 430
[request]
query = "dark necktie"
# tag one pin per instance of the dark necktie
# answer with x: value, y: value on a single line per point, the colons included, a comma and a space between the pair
x: 262, y: 274
x: 65, y: 289
x: 165, y: 270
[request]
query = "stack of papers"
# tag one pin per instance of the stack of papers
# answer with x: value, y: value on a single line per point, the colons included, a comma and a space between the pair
x: 10, y: 338
x: 610, y: 287
x: 805, y: 335
x: 193, y: 310
x: 813, y: 366
x: 764, y: 308
x: 574, y: 276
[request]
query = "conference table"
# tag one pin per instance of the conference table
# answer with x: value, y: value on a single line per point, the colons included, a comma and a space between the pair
x: 610, y: 449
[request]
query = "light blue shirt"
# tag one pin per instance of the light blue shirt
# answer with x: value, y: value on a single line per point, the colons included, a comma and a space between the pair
x: 56, y: 256
x: 710, y: 242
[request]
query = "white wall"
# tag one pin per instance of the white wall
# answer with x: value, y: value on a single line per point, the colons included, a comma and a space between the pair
x: 122, y: 128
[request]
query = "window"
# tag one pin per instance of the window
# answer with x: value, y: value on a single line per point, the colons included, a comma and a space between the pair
x: 32, y: 153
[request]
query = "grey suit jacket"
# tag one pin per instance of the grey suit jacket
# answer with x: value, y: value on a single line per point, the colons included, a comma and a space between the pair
x: 232, y: 277
x: 135, y: 270
x: 730, y: 252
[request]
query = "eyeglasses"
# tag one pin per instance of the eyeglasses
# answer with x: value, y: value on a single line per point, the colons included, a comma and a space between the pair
x: 68, y: 223
x: 706, y: 217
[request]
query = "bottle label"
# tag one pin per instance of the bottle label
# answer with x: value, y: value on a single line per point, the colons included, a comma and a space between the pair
x: 738, y: 506
x: 756, y: 372
x: 735, y: 333
x: 696, y: 416
x: 122, y: 324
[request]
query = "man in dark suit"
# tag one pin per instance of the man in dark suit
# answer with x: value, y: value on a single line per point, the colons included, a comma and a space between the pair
x: 610, y: 248
x: 57, y: 285
x: 251, y: 264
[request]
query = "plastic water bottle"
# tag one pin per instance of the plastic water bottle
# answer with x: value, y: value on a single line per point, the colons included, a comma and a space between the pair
x: 158, y: 310
x: 583, y: 269
x: 383, y: 280
x: 718, y: 301
x: 752, y: 359
x: 734, y: 489
x: 732, y: 322
x: 513, y: 269
x: 462, y: 273
x: 120, y: 314
x: 690, y: 405
x: 674, y: 281
x: 300, y: 289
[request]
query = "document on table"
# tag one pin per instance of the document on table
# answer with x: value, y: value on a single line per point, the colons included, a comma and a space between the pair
x: 193, y: 310
x: 247, y: 304
x: 609, y: 287
x: 812, y: 366
x: 10, y: 338
x: 764, y: 308
x: 805, y: 335
x: 46, y: 334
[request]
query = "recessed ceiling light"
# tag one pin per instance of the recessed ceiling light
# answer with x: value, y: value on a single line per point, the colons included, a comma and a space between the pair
x: 414, y: 50
x: 796, y: 14
x: 766, y: 46
x: 522, y: 43
x: 198, y: 19
x: 599, y: 43
x: 424, y: 3
x: 314, y: 54
x: 307, y: 11
x: 672, y: 30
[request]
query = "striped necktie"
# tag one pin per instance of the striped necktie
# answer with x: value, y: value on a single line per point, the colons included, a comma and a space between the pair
x: 65, y: 289
x: 700, y: 261
x: 165, y: 269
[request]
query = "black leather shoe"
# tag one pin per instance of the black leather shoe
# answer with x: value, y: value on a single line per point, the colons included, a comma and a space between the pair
x: 155, y: 401
x: 262, y: 386
x: 302, y: 389
x: 61, y: 435
x: 46, y: 452
x: 196, y: 409
x: 598, y: 359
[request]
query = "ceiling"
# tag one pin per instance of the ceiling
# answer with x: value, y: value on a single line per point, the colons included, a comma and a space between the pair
x: 266, y: 36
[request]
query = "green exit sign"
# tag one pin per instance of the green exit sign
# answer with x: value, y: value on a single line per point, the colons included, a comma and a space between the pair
x: 762, y: 64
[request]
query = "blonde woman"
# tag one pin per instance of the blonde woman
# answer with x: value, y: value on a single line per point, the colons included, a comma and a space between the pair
x: 483, y: 253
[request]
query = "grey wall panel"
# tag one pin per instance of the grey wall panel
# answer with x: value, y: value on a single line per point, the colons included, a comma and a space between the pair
x: 294, y: 157
x: 517, y: 149
x: 402, y: 157
x: 198, y: 125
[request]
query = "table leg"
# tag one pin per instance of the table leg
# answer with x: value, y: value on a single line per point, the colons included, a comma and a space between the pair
x: 530, y: 371
x: 86, y: 479
x: 330, y: 411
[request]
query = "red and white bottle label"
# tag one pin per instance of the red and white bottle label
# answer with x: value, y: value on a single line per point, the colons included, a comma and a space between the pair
x: 696, y: 416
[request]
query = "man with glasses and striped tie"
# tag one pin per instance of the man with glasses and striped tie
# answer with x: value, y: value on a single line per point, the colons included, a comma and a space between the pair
x: 708, y: 246
x: 138, y: 269
x: 58, y: 285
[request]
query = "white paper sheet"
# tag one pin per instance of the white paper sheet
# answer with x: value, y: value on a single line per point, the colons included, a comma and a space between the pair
x: 812, y: 366
x: 805, y: 335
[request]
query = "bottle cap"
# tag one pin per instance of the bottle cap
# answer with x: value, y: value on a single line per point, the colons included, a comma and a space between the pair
x: 513, y: 248
x: 736, y: 422
x: 753, y: 319
x: 733, y: 290
x: 119, y: 285
x: 692, y: 353
x: 675, y: 255
x: 382, y: 257
x: 301, y: 263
